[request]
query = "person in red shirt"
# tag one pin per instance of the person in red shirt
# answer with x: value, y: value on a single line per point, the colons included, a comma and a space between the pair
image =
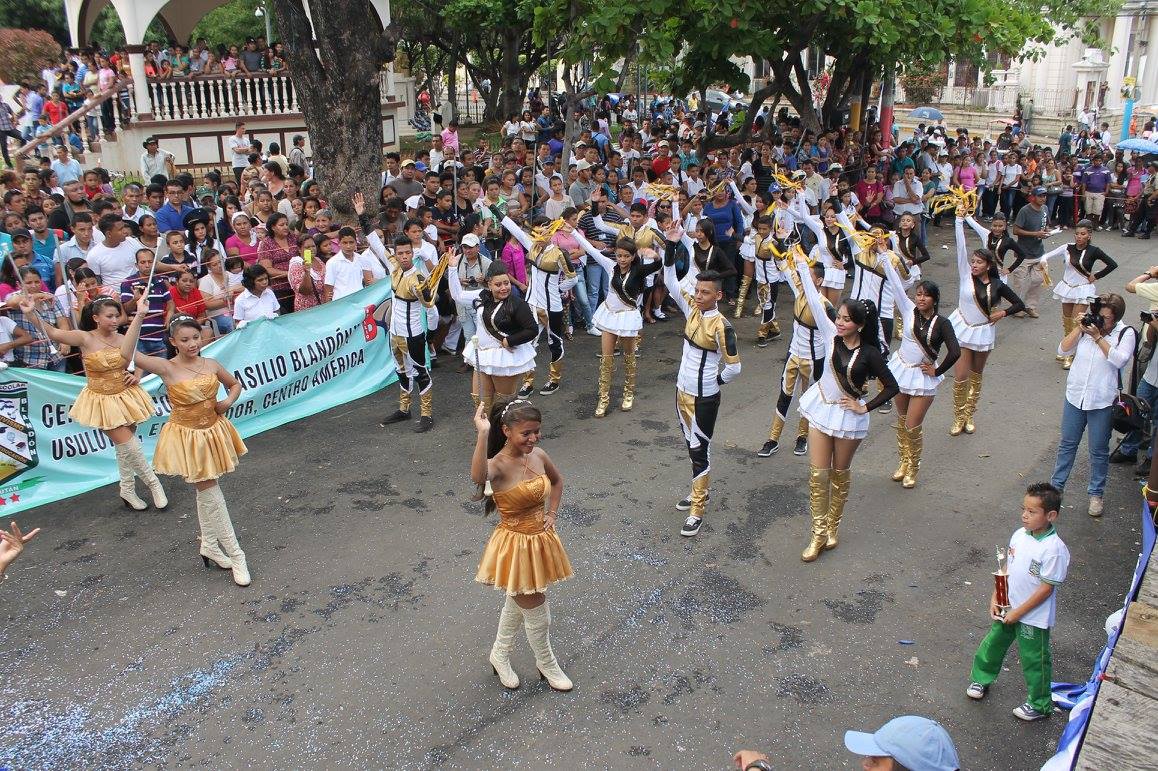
x: 185, y: 299
x: 662, y: 161
x: 55, y: 108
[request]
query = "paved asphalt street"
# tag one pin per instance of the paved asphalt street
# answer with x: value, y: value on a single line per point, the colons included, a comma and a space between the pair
x: 362, y: 642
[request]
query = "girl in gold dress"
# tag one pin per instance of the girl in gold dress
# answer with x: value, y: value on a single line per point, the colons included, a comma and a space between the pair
x: 198, y: 442
x: 524, y: 554
x: 111, y: 399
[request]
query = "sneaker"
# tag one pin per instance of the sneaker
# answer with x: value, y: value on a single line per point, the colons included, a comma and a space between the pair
x: 1144, y: 236
x: 686, y: 503
x: 774, y: 334
x: 397, y: 417
x: 658, y: 314
x: 1127, y: 234
x: 594, y: 332
x: 1032, y: 313
x: 551, y: 387
x: 526, y: 391
x: 976, y: 691
x: 886, y: 408
x: 692, y: 526
x: 1028, y: 713
x: 801, y: 446
x: 423, y: 424
x: 1095, y: 506
x: 1122, y: 457
x: 618, y: 351
x: 761, y: 341
x: 769, y: 449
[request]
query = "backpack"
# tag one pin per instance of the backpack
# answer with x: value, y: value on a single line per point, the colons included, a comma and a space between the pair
x: 1128, y: 412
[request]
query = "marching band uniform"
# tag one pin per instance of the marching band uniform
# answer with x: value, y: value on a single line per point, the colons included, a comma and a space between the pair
x: 619, y: 315
x: 833, y: 250
x: 1000, y: 245
x: 921, y: 341
x: 975, y: 301
x: 1077, y: 283
x: 200, y: 445
x: 511, y: 321
x: 413, y: 295
x: 767, y: 253
x: 709, y: 342
x: 806, y: 353
x: 845, y: 374
x: 549, y: 276
x: 106, y: 403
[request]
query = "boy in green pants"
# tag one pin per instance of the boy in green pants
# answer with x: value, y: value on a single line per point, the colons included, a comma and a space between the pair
x: 1038, y: 562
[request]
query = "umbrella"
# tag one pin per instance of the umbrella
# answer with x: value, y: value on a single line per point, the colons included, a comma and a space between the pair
x: 927, y: 113
x: 1138, y: 145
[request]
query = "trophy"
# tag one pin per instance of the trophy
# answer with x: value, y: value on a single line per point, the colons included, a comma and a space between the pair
x: 1001, y: 582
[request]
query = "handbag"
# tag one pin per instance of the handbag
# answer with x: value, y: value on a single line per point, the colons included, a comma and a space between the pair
x: 1128, y: 412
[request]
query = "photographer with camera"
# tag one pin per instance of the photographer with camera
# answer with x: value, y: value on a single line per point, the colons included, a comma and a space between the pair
x: 1147, y: 288
x: 1101, y: 346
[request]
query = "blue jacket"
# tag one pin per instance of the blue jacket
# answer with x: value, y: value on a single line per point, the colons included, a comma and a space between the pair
x: 725, y: 217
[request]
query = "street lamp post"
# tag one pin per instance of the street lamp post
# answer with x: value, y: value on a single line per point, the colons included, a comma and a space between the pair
x: 262, y: 12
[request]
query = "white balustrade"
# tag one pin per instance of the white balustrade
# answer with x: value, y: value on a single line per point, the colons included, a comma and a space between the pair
x: 206, y: 98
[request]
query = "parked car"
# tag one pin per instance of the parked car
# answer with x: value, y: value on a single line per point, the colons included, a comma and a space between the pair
x: 715, y: 100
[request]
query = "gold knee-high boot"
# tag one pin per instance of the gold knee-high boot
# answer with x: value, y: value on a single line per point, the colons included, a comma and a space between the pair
x: 1067, y: 327
x: 630, y: 363
x: 745, y: 285
x: 916, y: 442
x: 974, y: 396
x: 818, y: 509
x: 902, y: 449
x: 839, y: 482
x: 606, y: 369
x: 960, y: 405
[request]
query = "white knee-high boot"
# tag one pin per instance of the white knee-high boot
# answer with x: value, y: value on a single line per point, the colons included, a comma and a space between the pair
x: 510, y: 619
x: 537, y: 622
x: 128, y: 479
x: 210, y: 550
x: 141, y: 468
x: 218, y: 511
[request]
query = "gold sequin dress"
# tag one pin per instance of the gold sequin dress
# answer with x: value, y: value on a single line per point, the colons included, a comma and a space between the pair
x: 196, y: 443
x: 522, y: 557
x: 106, y: 402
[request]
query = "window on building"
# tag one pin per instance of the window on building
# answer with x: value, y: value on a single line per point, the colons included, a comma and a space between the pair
x: 815, y: 62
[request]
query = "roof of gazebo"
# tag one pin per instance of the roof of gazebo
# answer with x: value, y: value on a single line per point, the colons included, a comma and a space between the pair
x: 179, y: 17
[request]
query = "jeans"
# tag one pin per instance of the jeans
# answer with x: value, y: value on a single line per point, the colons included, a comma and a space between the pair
x: 1074, y: 423
x: 1050, y: 202
x: 1007, y: 202
x: 731, y: 251
x: 596, y: 279
x: 1149, y: 394
x: 579, y: 292
x: 222, y: 324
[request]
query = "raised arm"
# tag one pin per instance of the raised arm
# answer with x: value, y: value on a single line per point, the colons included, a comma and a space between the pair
x: 981, y: 231
x: 671, y: 279
x: 513, y: 228
x: 815, y: 303
x: 843, y: 219
x: 53, y: 333
x: 129, y: 339
x: 457, y: 292
x: 605, y: 263
x: 1055, y: 252
x: 902, y: 300
x: 963, y: 271
x: 816, y: 225
x: 603, y: 226
x: 744, y: 205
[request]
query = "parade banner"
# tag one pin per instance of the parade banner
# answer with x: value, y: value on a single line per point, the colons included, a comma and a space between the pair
x: 289, y: 368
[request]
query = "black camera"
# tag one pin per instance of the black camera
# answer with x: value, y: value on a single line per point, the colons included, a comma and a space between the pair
x: 1093, y: 317
x: 1146, y: 317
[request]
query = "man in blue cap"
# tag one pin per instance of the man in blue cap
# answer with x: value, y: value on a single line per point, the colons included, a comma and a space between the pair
x: 908, y: 742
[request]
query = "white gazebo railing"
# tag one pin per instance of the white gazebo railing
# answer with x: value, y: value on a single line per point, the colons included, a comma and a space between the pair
x: 207, y: 98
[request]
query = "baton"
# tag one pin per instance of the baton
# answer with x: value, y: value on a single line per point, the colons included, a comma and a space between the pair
x: 132, y: 365
x: 16, y: 274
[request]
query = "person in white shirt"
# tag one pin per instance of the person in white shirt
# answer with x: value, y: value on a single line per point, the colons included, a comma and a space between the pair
x: 345, y: 273
x: 1101, y: 350
x: 239, y: 147
x: 116, y: 259
x: 156, y: 161
x: 257, y: 300
x: 907, y: 194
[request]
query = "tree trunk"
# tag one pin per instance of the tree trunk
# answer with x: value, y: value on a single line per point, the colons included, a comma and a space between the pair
x: 866, y: 94
x: 337, y: 88
x: 452, y: 87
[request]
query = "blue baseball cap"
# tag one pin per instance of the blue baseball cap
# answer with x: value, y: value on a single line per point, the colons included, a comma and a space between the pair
x: 917, y: 743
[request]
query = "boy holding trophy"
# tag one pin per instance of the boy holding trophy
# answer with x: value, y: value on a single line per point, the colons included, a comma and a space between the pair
x: 1023, y: 605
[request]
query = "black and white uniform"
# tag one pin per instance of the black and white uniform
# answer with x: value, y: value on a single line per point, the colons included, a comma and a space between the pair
x: 1000, y: 246
x: 976, y: 299
x: 832, y: 250
x: 921, y: 341
x: 846, y: 372
x: 619, y: 312
x: 1077, y: 283
x: 912, y: 250
x: 510, y: 320
x: 710, y: 358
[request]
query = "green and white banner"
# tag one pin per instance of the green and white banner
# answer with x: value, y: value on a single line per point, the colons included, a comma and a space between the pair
x: 289, y: 368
